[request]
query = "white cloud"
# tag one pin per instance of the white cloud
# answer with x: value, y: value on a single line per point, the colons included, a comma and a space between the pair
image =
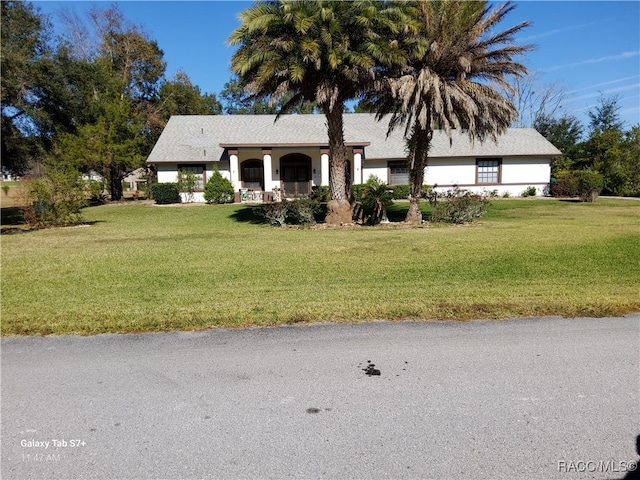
x: 630, y: 111
x: 550, y: 33
x: 617, y: 80
x: 608, y: 91
x: 620, y: 56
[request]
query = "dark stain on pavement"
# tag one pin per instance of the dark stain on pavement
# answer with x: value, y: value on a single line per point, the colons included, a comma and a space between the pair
x: 313, y: 410
x: 371, y: 369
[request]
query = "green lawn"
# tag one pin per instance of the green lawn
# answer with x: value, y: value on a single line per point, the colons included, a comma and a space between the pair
x: 148, y: 268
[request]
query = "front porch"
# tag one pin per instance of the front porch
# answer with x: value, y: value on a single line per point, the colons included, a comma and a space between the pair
x: 273, y: 173
x: 288, y: 190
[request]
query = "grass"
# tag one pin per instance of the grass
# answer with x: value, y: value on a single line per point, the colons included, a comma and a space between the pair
x: 142, y: 268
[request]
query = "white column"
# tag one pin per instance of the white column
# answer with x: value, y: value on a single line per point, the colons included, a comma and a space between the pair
x: 357, y: 165
x: 235, y: 169
x: 324, y: 166
x: 268, y: 169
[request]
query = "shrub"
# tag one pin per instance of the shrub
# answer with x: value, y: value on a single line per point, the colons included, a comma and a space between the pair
x: 590, y: 185
x: 430, y: 194
x: 321, y: 193
x: 56, y: 199
x: 356, y: 191
x: 400, y: 192
x: 375, y: 199
x: 165, y: 193
x: 274, y: 212
x: 303, y: 210
x: 96, y: 192
x: 187, y: 183
x: 218, y: 189
x: 459, y: 206
x: 530, y: 192
x: 622, y: 183
x: 565, y: 184
x: 146, y: 183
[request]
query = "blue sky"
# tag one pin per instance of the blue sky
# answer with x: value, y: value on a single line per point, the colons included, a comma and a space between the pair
x: 589, y: 47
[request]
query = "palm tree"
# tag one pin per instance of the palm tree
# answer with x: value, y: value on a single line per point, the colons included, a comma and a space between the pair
x: 320, y: 51
x: 455, y: 65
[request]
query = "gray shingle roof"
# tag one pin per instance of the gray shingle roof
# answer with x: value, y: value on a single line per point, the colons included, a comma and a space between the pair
x: 187, y: 137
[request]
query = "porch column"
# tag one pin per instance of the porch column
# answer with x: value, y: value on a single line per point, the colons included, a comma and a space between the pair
x: 357, y: 165
x: 324, y: 166
x: 234, y: 169
x: 268, y: 171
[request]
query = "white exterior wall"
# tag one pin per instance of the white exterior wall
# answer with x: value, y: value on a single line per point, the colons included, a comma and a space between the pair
x: 377, y: 168
x: 168, y: 172
x: 197, y: 197
x: 534, y: 172
x: 444, y: 172
x: 316, y: 171
x: 516, y: 174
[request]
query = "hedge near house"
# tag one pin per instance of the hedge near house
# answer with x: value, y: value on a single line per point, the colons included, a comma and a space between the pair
x: 165, y: 193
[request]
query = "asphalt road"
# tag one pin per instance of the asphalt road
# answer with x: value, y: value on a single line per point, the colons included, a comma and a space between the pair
x: 537, y: 398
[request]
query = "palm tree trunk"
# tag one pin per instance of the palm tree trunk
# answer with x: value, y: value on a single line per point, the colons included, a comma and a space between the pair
x: 339, y: 208
x: 419, y: 144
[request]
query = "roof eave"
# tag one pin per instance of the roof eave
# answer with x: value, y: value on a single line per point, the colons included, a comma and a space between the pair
x: 288, y: 145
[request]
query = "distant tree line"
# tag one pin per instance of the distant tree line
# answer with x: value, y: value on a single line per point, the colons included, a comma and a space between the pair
x: 605, y: 148
x: 95, y: 98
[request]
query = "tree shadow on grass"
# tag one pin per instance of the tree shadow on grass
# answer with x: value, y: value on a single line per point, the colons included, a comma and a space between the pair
x: 397, y: 212
x: 247, y: 215
x: 12, y: 216
x: 12, y: 221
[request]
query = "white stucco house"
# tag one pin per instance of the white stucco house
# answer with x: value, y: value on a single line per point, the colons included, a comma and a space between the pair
x: 261, y: 156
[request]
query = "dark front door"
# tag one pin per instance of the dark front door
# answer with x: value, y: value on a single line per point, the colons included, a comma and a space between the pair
x: 296, y: 175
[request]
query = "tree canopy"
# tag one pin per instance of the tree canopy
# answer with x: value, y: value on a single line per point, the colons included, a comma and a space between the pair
x: 24, y: 36
x: 99, y: 104
x: 605, y: 147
